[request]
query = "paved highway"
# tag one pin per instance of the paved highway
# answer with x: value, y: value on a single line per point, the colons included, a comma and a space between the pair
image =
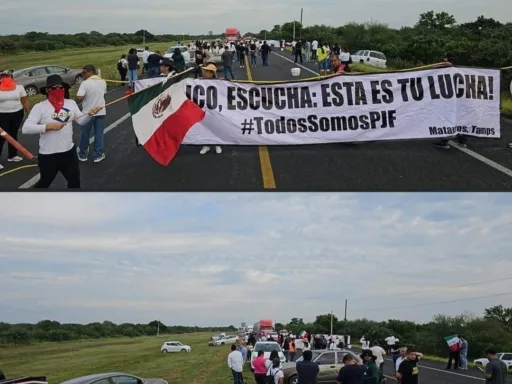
x: 378, y: 166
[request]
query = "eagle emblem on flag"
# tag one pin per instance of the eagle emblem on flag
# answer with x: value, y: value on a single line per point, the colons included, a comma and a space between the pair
x: 161, y: 104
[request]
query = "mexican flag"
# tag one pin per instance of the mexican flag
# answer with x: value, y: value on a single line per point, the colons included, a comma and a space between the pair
x: 302, y: 335
x: 453, y: 342
x: 162, y: 115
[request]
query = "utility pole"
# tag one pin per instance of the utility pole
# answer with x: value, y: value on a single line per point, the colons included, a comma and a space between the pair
x: 158, y: 328
x: 301, y: 13
x: 294, y: 30
x: 331, y: 321
x: 346, y: 330
x: 144, y: 37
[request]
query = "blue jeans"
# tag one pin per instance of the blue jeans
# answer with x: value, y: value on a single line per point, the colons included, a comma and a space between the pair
x: 228, y: 70
x: 464, y: 360
x: 253, y: 58
x: 133, y: 75
x: 154, y: 72
x: 237, y: 377
x: 98, y: 123
x: 264, y: 57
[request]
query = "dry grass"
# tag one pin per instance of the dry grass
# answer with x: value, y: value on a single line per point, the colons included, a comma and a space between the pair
x: 138, y: 356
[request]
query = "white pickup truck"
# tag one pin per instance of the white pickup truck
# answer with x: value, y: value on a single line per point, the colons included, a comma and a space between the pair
x: 506, y: 357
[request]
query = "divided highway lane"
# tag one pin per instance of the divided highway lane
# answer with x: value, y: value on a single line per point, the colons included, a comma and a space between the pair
x: 379, y: 166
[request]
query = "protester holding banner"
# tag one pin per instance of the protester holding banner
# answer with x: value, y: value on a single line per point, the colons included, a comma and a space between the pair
x: 210, y: 72
x: 462, y: 139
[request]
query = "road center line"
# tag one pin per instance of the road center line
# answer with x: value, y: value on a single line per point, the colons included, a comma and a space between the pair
x: 267, y: 174
x: 32, y: 181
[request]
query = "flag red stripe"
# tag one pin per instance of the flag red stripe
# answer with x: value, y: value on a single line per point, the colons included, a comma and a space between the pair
x: 165, y: 142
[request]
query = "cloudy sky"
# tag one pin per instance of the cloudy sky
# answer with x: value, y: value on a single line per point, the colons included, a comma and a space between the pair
x: 201, y: 16
x: 214, y: 259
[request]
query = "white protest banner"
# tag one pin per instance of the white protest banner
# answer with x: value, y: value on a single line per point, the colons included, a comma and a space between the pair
x: 141, y: 84
x: 424, y: 104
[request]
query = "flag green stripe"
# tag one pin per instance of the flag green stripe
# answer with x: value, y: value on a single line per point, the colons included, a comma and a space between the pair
x: 142, y: 98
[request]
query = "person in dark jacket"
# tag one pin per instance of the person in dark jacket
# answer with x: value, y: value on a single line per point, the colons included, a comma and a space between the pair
x: 462, y: 139
x: 306, y: 369
x: 154, y: 64
x: 298, y: 51
x: 178, y: 60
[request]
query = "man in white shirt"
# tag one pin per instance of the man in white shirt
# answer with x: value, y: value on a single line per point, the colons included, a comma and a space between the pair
x: 365, y: 344
x: 379, y: 353
x: 145, y: 55
x: 390, y: 340
x: 314, y: 47
x: 92, y: 93
x: 236, y: 363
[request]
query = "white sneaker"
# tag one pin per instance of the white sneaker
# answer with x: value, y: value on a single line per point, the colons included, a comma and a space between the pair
x: 15, y: 159
x: 218, y: 150
x: 204, y: 150
x: 1, y: 166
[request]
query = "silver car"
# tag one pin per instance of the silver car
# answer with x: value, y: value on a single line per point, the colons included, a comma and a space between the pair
x: 113, y: 378
x: 34, y: 78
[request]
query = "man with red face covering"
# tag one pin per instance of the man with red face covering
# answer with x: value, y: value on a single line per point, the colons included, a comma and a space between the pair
x: 52, y: 119
x: 13, y: 102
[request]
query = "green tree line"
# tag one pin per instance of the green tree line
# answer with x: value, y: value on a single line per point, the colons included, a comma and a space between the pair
x: 48, y: 330
x: 494, y: 328
x: 42, y: 41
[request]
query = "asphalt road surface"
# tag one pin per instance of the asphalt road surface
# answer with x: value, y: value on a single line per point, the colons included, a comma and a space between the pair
x: 377, y: 166
x: 436, y: 373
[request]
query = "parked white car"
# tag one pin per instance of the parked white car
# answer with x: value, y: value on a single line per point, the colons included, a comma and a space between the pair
x: 219, y: 336
x: 373, y: 58
x: 267, y: 347
x: 174, y: 346
x: 189, y: 56
x: 506, y: 357
x: 230, y: 339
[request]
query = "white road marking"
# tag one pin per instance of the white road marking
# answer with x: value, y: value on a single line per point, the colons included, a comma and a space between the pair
x: 298, y: 65
x: 32, y: 181
x: 468, y: 152
x: 483, y: 159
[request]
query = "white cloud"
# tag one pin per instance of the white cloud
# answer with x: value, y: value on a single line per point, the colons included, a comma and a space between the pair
x: 226, y: 258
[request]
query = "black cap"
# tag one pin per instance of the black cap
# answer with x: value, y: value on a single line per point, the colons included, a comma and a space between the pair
x: 491, y: 351
x: 53, y: 80
x: 167, y: 62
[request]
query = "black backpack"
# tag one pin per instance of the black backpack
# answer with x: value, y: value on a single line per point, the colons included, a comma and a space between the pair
x: 270, y: 378
x: 120, y: 65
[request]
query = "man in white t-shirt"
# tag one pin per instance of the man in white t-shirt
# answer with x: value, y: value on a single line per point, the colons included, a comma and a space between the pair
x: 379, y: 353
x: 236, y: 363
x: 365, y: 344
x: 145, y: 55
x: 314, y: 47
x: 92, y: 93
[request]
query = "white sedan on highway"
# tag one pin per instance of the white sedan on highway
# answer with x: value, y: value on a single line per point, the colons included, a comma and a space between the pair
x: 174, y: 346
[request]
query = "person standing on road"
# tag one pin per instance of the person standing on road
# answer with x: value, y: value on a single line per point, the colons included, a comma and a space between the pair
x: 92, y: 93
x: 365, y: 344
x: 395, y: 354
x: 133, y: 67
x: 314, y: 48
x: 306, y: 369
x: 275, y: 371
x: 379, y: 354
x: 51, y: 119
x: 210, y: 72
x: 154, y: 64
x: 322, y: 55
x: 252, y: 53
x: 201, y: 57
x: 495, y: 370
x: 122, y: 67
x: 227, y: 61
x: 145, y: 55
x: 463, y: 363
x: 13, y: 104
x: 408, y: 372
x: 352, y: 372
x: 390, y: 343
x: 402, y: 357
x: 298, y: 51
x: 178, y: 60
x: 307, y: 50
x: 265, y: 52
x: 372, y: 373
x: 236, y: 364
